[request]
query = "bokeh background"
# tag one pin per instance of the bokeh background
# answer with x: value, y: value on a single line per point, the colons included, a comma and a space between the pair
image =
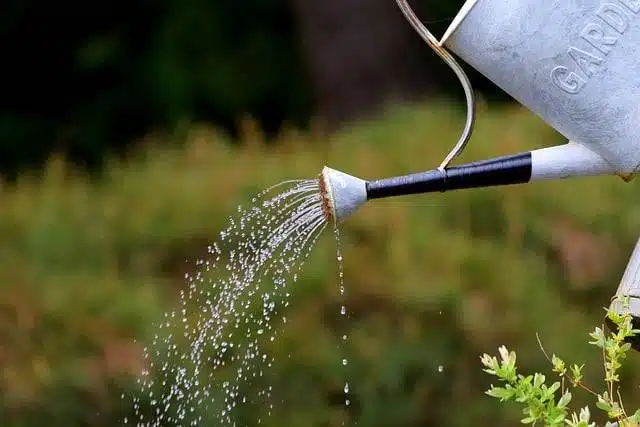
x: 130, y: 131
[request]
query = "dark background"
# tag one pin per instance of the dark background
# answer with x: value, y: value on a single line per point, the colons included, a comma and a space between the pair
x: 85, y: 78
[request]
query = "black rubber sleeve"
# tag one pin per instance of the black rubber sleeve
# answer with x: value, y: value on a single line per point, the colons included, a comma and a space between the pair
x: 506, y: 170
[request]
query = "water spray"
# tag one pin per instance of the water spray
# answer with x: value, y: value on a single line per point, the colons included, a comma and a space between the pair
x: 598, y: 113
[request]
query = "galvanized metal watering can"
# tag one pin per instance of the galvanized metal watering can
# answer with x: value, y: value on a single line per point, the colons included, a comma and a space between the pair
x: 576, y: 64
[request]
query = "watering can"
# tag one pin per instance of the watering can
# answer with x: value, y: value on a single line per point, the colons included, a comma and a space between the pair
x: 576, y: 64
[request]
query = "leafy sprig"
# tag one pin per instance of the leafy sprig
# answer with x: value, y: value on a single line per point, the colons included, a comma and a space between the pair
x: 549, y: 404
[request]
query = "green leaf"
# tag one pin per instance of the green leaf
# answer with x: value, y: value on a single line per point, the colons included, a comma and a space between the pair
x: 500, y: 393
x: 558, y: 365
x: 615, y: 317
x: 558, y: 419
x: 490, y: 371
x: 598, y: 338
x: 576, y: 372
x: 538, y: 380
x: 604, y: 404
x: 635, y: 417
x: 548, y: 393
x: 528, y: 420
x: 564, y: 400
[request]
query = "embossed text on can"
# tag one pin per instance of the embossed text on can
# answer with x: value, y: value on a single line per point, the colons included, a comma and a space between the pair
x: 598, y: 38
x: 572, y: 62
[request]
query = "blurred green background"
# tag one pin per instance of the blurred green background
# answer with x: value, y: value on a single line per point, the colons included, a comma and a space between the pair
x: 129, y: 133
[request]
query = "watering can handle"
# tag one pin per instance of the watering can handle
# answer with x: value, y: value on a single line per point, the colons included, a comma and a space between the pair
x: 627, y: 297
x: 457, y: 69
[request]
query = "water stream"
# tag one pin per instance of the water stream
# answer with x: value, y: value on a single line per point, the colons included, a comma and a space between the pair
x: 207, y: 356
x: 343, y: 308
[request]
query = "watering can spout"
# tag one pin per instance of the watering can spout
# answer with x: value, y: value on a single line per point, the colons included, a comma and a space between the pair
x: 344, y: 194
x: 571, y: 63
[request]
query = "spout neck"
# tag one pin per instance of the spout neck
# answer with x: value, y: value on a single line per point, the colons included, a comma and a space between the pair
x: 558, y: 162
x: 507, y: 170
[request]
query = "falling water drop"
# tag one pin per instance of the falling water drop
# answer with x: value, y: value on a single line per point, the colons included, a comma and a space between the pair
x: 343, y: 307
x: 228, y: 305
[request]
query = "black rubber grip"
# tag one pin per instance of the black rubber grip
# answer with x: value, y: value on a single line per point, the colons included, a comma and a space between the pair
x: 506, y: 170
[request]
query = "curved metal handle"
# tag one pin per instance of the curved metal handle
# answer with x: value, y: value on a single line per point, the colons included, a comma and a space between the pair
x: 457, y: 69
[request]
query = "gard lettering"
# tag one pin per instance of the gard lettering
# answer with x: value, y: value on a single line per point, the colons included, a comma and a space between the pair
x: 594, y: 35
x: 567, y: 80
x: 588, y: 63
x: 632, y: 5
x: 614, y: 16
x: 598, y: 39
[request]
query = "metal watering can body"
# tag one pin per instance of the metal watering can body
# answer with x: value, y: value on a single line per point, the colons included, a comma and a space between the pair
x: 575, y: 63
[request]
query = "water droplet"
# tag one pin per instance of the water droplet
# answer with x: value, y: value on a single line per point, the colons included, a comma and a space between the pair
x: 230, y: 299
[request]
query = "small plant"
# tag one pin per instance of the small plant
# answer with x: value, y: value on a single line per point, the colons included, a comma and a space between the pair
x: 549, y: 404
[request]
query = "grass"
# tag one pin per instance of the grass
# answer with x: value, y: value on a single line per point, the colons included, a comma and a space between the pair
x: 88, y: 266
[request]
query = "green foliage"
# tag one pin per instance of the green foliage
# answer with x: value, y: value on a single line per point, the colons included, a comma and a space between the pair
x: 88, y: 267
x: 539, y: 400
